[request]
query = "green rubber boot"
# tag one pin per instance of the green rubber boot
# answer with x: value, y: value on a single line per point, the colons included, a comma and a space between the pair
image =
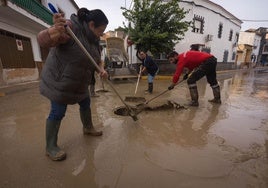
x: 87, y: 123
x: 52, y: 149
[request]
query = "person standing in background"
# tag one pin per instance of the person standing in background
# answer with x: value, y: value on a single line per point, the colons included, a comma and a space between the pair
x: 92, y: 86
x: 93, y: 80
x: 150, y: 66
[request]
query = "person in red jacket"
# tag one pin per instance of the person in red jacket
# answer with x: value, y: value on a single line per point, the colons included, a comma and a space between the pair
x: 199, y: 64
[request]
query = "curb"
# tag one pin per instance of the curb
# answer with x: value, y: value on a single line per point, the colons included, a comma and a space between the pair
x: 169, y: 77
x: 159, y: 77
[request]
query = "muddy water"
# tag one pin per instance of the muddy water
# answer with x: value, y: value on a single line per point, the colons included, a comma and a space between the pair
x: 209, y: 146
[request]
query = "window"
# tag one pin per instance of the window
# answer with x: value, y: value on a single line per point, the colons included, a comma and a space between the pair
x: 233, y: 56
x: 231, y: 35
x: 220, y: 30
x: 236, y: 37
x: 206, y: 49
x: 265, y: 48
x: 198, y: 24
x: 225, y: 56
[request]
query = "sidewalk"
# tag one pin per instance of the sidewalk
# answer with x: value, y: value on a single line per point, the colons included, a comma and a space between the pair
x: 17, y: 87
x: 169, y: 77
x: 11, y: 88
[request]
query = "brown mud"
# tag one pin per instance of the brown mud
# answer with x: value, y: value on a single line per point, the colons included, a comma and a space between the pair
x: 123, y: 111
x: 207, y: 146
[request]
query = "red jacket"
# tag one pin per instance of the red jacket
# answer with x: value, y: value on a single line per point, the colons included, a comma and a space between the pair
x: 190, y: 60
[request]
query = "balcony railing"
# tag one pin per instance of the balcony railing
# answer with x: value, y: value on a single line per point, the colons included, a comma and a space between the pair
x: 35, y: 8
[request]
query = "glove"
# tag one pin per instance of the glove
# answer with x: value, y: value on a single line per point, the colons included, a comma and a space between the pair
x: 185, y: 77
x: 171, y: 87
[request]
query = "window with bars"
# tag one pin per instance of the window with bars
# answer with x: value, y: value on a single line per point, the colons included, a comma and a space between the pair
x: 265, y: 48
x: 206, y: 49
x: 236, y: 37
x: 231, y: 35
x: 198, y: 24
x: 220, y: 30
x: 233, y: 56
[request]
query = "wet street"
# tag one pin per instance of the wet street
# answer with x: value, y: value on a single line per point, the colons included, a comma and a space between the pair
x: 210, y: 146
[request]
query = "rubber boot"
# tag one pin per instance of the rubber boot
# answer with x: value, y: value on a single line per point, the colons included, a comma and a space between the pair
x: 150, y: 87
x: 87, y: 123
x: 147, y: 90
x: 217, y: 95
x: 92, y: 91
x: 194, y: 96
x: 52, y: 149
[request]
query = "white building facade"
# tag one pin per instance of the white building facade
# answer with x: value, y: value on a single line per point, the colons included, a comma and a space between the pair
x: 252, y: 39
x: 20, y: 22
x: 214, y: 28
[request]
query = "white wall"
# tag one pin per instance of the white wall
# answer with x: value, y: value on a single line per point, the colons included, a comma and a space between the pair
x: 24, y: 32
x: 252, y: 39
x: 246, y: 38
x: 21, y: 27
x: 17, y: 20
x: 213, y: 15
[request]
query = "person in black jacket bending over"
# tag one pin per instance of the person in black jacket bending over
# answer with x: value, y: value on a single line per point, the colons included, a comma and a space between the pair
x: 150, y: 66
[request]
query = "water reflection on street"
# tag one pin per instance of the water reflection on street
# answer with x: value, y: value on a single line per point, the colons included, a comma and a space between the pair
x: 209, y: 146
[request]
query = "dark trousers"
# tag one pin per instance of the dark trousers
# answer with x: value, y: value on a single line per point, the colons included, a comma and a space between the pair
x: 57, y: 111
x: 208, y: 69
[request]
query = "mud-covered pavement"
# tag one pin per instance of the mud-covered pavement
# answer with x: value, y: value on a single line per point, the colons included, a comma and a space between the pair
x: 210, y: 146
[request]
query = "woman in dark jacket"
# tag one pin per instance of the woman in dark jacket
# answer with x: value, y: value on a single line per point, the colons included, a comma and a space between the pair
x: 68, y: 72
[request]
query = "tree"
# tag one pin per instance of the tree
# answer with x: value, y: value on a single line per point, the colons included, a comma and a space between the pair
x: 155, y: 25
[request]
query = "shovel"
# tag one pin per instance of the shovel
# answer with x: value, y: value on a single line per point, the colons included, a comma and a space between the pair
x: 130, y: 111
x: 138, y: 80
x: 136, y: 99
x: 142, y: 106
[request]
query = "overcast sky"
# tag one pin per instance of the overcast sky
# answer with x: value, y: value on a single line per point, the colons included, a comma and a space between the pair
x: 255, y: 10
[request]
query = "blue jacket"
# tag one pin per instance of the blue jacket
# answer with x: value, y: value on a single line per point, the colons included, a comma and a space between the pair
x: 150, y: 65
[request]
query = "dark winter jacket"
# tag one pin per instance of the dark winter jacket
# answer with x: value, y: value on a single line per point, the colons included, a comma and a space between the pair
x: 68, y: 71
x: 150, y: 65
